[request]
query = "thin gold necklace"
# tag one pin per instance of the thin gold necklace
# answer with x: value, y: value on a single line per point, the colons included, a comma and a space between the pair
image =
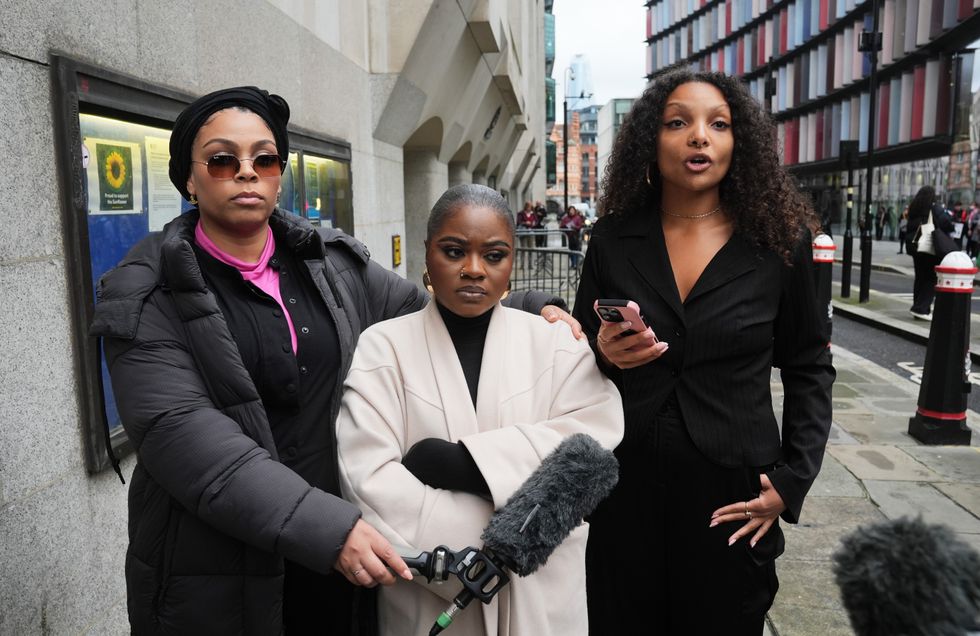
x: 693, y: 216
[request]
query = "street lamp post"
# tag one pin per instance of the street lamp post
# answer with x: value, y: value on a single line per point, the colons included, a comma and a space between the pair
x: 870, y: 44
x: 848, y: 155
x: 564, y: 135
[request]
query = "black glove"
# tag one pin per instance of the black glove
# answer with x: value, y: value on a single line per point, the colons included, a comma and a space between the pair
x: 438, y: 463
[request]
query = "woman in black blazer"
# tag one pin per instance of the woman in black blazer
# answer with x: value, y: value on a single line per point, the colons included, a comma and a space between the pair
x: 707, y: 233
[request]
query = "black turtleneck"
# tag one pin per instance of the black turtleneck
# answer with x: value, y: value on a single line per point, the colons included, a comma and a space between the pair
x: 468, y: 336
x: 440, y: 463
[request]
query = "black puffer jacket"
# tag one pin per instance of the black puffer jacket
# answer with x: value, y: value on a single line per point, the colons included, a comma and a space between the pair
x: 212, y: 512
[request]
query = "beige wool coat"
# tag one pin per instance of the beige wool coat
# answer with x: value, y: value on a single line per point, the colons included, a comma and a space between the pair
x: 538, y: 385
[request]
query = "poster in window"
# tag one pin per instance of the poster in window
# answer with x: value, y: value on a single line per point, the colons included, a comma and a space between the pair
x: 115, y: 177
x: 312, y: 193
x: 164, y: 202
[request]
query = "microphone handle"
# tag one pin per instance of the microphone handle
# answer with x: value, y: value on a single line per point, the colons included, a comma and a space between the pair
x: 419, y: 564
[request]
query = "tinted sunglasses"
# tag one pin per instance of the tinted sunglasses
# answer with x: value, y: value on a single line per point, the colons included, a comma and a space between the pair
x: 225, y: 166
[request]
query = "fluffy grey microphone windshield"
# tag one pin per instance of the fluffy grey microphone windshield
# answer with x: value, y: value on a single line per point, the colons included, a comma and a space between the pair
x: 908, y: 577
x: 567, y: 486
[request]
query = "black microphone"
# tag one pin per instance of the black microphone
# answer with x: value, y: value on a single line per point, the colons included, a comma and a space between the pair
x: 908, y: 577
x: 522, y: 535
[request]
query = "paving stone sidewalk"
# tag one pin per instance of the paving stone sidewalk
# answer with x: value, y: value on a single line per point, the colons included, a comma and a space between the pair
x: 872, y: 471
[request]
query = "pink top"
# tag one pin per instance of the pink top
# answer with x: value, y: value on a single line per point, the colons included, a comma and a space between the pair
x: 259, y: 274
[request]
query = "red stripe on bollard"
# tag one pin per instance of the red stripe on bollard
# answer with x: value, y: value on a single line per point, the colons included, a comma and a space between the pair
x: 936, y: 415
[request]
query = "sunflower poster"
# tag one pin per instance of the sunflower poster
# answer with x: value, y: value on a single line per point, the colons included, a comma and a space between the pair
x: 115, y: 177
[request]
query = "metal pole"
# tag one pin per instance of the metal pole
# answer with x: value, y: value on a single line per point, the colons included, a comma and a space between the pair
x: 564, y: 142
x: 848, y: 256
x: 870, y: 44
x: 848, y: 156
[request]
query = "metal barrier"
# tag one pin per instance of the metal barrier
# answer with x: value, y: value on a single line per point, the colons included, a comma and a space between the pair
x: 551, y: 270
x: 554, y: 238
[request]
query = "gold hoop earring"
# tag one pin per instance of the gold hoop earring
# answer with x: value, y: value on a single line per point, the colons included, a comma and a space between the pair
x: 506, y: 291
x: 427, y: 282
x: 649, y: 183
x: 193, y: 200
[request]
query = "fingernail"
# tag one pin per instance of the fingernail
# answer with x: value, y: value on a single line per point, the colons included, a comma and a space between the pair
x: 731, y: 541
x: 623, y: 326
x: 407, y: 574
x: 713, y: 524
x: 752, y: 544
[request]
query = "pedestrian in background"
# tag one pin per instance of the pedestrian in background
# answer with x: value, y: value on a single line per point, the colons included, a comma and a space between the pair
x: 572, y: 224
x: 903, y: 224
x: 879, y: 222
x: 541, y: 212
x: 925, y: 206
x: 973, y: 231
x: 706, y: 232
x: 527, y: 221
x: 958, y: 214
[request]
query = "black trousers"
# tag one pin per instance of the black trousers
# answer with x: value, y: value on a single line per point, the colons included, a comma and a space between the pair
x: 653, y: 559
x: 924, y: 286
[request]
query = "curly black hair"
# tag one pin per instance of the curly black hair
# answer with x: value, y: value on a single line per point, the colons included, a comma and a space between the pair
x: 757, y: 193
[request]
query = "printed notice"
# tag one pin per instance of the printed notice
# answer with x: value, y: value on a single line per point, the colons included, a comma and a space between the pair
x: 115, y: 177
x: 163, y: 200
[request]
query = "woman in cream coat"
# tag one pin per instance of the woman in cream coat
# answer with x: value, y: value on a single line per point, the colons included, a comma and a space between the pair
x: 413, y: 383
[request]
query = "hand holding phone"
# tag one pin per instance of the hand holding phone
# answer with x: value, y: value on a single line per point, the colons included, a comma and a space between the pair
x: 611, y: 310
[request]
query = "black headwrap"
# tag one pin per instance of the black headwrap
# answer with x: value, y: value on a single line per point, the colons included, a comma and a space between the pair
x: 271, y: 108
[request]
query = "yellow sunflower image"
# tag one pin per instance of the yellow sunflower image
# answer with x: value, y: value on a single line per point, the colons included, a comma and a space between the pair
x: 115, y: 170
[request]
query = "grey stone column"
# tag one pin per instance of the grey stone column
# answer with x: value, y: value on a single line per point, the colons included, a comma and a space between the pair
x: 480, y: 177
x: 458, y: 174
x: 426, y: 178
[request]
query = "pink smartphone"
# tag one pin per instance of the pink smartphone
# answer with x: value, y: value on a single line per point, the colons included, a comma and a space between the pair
x: 619, y: 310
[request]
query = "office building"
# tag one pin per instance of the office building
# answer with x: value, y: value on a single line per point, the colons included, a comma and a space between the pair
x: 822, y: 84
x: 608, y: 122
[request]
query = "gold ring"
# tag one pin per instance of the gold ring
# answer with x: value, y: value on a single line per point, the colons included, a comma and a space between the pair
x: 356, y: 572
x: 747, y: 513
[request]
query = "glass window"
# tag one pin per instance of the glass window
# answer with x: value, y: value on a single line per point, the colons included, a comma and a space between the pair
x: 327, y: 192
x: 323, y: 194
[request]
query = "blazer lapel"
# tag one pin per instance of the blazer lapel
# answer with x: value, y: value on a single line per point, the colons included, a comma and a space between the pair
x: 450, y: 381
x: 651, y: 261
x: 493, y: 377
x: 735, y: 258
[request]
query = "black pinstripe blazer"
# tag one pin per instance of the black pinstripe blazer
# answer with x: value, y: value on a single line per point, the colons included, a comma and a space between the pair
x: 747, y: 312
